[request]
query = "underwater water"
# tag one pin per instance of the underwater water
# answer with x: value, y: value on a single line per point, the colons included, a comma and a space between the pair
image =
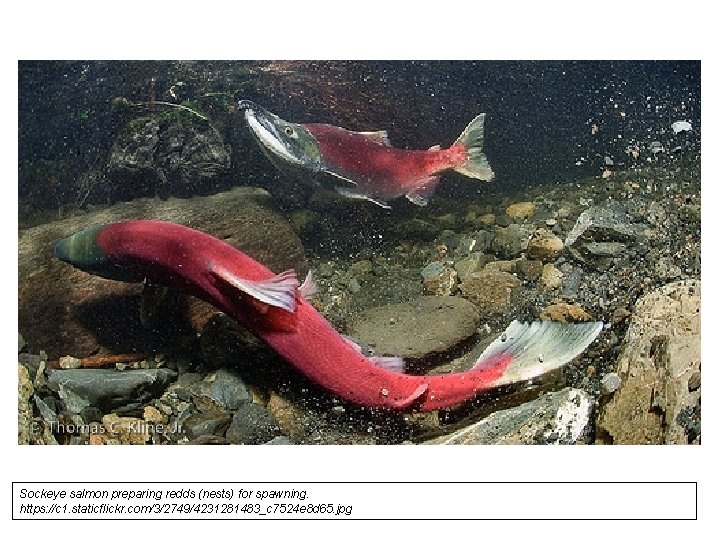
x: 592, y: 216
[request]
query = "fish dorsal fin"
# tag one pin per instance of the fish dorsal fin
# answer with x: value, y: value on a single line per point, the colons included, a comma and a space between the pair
x: 380, y: 137
x: 278, y: 291
x: 309, y: 287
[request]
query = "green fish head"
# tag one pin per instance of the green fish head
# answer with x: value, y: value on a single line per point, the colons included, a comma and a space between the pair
x: 283, y: 142
x: 82, y: 251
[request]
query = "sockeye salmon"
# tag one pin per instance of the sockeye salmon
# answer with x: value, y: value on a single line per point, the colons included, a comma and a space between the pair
x: 275, y: 308
x: 364, y: 163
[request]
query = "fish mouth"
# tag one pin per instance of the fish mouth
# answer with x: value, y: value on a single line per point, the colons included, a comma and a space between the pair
x: 267, y: 129
x: 247, y: 105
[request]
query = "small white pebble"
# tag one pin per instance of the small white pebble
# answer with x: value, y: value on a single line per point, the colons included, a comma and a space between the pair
x: 70, y: 362
x: 609, y: 383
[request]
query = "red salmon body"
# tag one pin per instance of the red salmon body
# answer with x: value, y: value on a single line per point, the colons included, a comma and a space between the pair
x: 363, y: 165
x: 273, y: 307
x: 380, y: 170
x: 178, y: 256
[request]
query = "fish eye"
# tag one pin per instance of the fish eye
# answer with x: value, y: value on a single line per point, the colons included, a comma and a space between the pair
x: 289, y: 131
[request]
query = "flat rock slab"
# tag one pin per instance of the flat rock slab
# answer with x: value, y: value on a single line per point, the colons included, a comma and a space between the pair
x: 108, y: 389
x: 563, y: 417
x: 66, y: 311
x: 425, y: 326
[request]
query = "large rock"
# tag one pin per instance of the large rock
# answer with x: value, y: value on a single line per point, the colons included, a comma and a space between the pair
x: 425, y: 326
x: 67, y: 311
x: 563, y: 417
x: 604, y: 223
x: 108, y: 388
x: 658, y: 401
x: 167, y: 153
x: 25, y: 412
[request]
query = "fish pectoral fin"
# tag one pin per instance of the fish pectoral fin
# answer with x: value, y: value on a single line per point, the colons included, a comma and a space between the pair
x: 380, y: 137
x: 278, y: 291
x: 353, y: 194
x: 422, y: 193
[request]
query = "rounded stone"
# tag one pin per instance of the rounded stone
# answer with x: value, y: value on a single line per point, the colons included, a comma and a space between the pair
x: 421, y: 327
x: 521, y: 210
x: 609, y: 383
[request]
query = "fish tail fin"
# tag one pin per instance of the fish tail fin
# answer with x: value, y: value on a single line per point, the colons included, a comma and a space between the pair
x: 531, y: 350
x: 472, y: 139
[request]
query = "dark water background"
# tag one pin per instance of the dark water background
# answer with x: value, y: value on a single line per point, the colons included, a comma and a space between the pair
x: 539, y: 126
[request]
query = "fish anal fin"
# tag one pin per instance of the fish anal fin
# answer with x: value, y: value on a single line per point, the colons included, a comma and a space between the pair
x: 413, y: 397
x: 277, y: 291
x: 338, y: 175
x: 353, y: 194
x: 423, y: 192
x: 354, y: 344
x: 390, y: 363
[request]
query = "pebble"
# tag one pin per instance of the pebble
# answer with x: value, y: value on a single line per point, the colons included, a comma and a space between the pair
x: 152, y: 414
x: 433, y: 269
x: 487, y: 219
x: 544, y: 246
x: 521, y: 210
x: 531, y: 270
x: 694, y: 381
x: 353, y: 286
x: 280, y: 439
x: 126, y: 430
x: 562, y: 312
x: 69, y: 362
x: 604, y: 249
x: 443, y: 284
x: 252, y: 424
x: 361, y: 267
x: 609, y: 383
x: 551, y: 277
x: 490, y: 290
x: 472, y: 263
x: 571, y: 284
x: 563, y: 417
x: 206, y: 423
